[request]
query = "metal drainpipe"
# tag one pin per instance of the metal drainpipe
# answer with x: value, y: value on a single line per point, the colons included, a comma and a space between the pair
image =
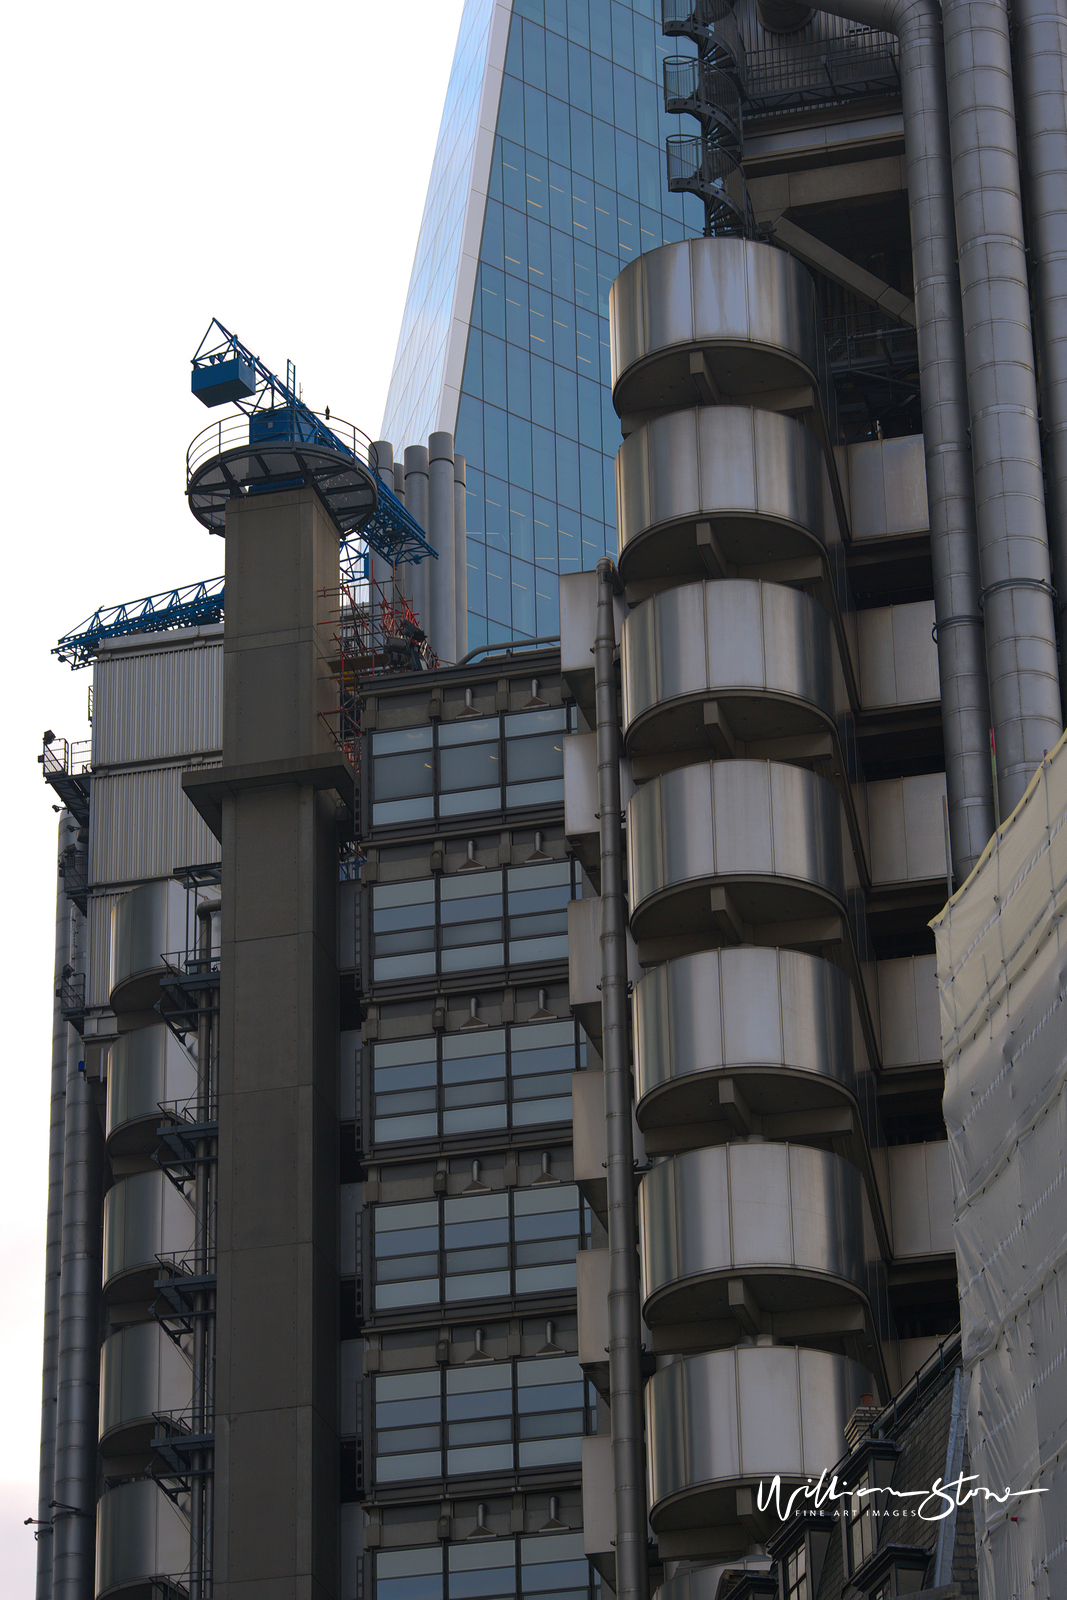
x: 624, y: 1315
x: 203, y: 1420
x: 74, y: 1538
x: 1041, y: 72
x: 53, y: 1250
x: 1024, y: 689
x: 961, y: 652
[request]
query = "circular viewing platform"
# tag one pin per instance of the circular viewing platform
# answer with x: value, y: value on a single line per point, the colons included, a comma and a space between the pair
x: 273, y: 449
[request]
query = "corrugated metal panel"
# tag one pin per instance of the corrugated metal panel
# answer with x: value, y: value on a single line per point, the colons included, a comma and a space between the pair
x: 154, y: 704
x: 98, y: 988
x: 142, y: 826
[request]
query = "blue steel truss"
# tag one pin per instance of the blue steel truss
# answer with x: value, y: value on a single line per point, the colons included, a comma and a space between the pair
x: 191, y: 607
x: 196, y: 604
x: 390, y: 530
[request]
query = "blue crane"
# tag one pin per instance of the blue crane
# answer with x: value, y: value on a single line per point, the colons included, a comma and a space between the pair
x: 225, y: 372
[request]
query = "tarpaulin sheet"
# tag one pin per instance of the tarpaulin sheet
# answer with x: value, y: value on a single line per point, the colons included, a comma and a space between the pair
x: 1002, y: 984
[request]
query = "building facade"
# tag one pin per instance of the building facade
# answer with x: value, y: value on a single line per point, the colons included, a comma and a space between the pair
x: 498, y: 1100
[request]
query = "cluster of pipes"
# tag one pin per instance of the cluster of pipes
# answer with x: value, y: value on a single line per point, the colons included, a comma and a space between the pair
x: 995, y: 545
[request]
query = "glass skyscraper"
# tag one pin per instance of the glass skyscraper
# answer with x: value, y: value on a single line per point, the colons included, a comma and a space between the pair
x: 549, y: 177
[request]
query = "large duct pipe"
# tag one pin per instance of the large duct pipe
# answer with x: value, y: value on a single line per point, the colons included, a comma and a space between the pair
x: 417, y: 500
x: 79, y: 1338
x: 439, y: 584
x: 460, y: 526
x: 53, y: 1250
x: 381, y: 571
x: 1041, y: 72
x: 946, y: 418
x: 1024, y: 690
x: 624, y: 1310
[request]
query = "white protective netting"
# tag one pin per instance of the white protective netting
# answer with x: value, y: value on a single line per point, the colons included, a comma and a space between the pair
x: 1002, y: 982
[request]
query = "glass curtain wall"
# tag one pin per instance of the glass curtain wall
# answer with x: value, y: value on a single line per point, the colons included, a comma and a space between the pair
x: 578, y: 188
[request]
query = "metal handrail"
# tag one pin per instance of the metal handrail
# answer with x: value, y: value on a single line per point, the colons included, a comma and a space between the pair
x: 693, y: 86
x: 63, y: 756
x: 711, y: 22
x: 233, y: 431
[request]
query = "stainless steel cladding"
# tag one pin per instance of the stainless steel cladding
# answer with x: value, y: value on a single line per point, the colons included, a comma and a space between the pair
x: 731, y: 1418
x: 157, y: 702
x: 787, y: 1219
x: 748, y: 307
x: 907, y: 828
x: 772, y: 831
x: 1024, y: 690
x: 759, y: 649
x: 143, y: 827
x: 144, y: 1217
x: 147, y: 1068
x: 142, y: 1371
x: 781, y: 1020
x: 140, y: 1534
x: 898, y: 656
x: 759, y: 475
x: 146, y: 924
x: 887, y: 487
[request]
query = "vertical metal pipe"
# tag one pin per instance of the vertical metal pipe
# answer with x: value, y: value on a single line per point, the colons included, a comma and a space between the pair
x: 53, y: 1250
x: 417, y: 500
x: 624, y: 1314
x: 1040, y: 54
x: 204, y: 1262
x: 440, y: 586
x: 79, y: 1337
x: 946, y: 418
x: 460, y: 526
x: 380, y: 569
x: 1024, y: 689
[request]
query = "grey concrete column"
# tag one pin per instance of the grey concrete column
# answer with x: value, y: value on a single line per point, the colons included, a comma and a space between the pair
x: 414, y: 579
x: 74, y: 1538
x: 277, y: 1510
x: 460, y: 526
x: 53, y: 1250
x: 1024, y: 690
x: 440, y: 582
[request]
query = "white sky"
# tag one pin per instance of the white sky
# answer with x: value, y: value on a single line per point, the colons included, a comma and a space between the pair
x: 162, y: 165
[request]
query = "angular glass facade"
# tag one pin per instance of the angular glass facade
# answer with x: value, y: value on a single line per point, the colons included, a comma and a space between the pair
x: 577, y: 187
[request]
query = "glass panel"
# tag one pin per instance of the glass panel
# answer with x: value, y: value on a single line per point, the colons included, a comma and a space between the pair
x: 536, y: 758
x: 387, y: 968
x: 470, y: 884
x: 393, y: 1469
x: 480, y: 1286
x: 552, y: 720
x: 467, y: 801
x: 390, y: 1129
x: 390, y: 811
x: 481, y: 1458
x: 405, y: 739
x: 413, y: 1214
x: 397, y: 777
x: 419, y: 892
x: 391, y: 1296
x: 479, y: 955
x: 470, y: 766
x: 534, y: 794
x: 538, y: 1280
x: 470, y: 731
